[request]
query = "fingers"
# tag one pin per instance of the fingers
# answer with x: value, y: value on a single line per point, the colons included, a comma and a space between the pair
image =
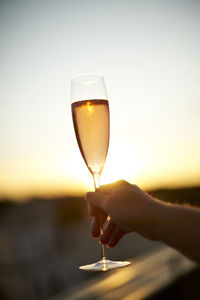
x: 116, y: 237
x: 92, y: 210
x: 95, y: 228
x: 98, y: 219
x: 99, y: 207
x: 96, y: 199
x: 101, y: 197
x: 98, y: 213
x: 112, y: 234
x: 108, y: 232
x: 108, y: 188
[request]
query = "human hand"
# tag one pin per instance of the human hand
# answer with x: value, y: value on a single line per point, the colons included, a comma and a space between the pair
x: 110, y: 233
x: 128, y: 207
x: 131, y: 209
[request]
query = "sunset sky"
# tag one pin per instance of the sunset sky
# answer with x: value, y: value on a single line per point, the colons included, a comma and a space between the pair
x: 149, y: 54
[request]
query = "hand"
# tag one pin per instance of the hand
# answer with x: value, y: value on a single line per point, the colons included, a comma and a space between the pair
x: 131, y: 209
x: 111, y: 234
x: 128, y: 207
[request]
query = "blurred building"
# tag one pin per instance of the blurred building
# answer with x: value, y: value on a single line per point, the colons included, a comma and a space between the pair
x: 33, y: 252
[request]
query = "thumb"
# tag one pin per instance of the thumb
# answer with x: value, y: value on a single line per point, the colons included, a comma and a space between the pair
x: 96, y: 199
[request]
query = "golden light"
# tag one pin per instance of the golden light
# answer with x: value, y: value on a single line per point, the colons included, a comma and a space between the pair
x: 123, y: 162
x: 77, y: 171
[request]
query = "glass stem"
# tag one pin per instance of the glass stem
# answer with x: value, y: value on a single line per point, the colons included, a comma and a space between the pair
x: 96, y: 178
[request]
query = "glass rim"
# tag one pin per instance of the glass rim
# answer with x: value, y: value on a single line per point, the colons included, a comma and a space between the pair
x: 86, y: 74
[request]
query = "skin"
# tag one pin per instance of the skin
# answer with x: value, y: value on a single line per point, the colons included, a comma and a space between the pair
x: 126, y: 208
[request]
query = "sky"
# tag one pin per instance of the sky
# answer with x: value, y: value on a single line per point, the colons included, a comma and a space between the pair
x: 149, y: 54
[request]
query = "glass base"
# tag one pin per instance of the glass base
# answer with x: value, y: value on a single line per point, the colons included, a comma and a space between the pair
x: 104, y: 265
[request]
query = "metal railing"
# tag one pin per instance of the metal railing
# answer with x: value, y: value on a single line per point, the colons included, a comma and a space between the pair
x: 146, y: 276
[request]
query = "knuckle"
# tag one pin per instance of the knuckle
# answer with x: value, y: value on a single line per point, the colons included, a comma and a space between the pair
x: 122, y: 182
x: 134, y: 186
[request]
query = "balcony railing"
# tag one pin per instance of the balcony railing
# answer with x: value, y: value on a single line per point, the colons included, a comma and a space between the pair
x: 146, y: 276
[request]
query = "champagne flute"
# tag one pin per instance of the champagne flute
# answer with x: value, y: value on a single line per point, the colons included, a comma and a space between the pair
x: 91, y: 119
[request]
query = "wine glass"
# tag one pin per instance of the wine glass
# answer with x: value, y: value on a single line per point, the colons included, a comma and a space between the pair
x: 91, y: 119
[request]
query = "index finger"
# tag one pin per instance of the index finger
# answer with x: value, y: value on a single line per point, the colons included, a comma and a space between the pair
x: 92, y: 210
x: 108, y: 188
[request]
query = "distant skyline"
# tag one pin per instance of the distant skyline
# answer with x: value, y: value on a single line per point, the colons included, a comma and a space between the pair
x: 149, y: 54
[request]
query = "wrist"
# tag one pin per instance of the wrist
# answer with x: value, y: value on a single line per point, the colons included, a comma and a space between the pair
x: 159, y: 216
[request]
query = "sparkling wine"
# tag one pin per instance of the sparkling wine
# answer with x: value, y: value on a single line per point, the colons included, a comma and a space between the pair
x: 92, y: 127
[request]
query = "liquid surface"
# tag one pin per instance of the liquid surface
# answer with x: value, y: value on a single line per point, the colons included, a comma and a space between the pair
x: 92, y: 127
